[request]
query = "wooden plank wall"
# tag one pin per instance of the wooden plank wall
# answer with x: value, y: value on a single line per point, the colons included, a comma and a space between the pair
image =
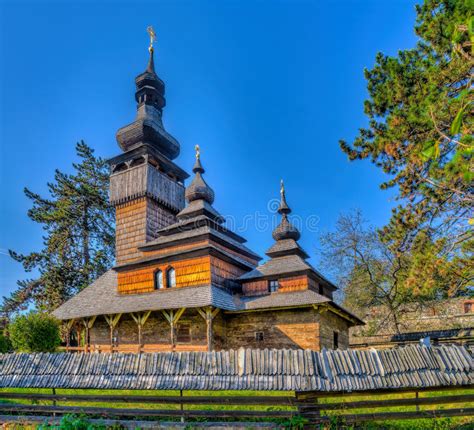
x: 291, y: 329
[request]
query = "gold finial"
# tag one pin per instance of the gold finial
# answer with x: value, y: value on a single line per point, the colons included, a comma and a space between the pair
x: 152, y: 35
x: 282, y: 187
x: 198, y: 152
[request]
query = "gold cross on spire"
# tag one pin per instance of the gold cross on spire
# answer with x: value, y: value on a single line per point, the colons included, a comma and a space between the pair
x: 198, y: 152
x: 152, y: 35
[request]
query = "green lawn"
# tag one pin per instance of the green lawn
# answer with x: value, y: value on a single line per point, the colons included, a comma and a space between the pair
x: 437, y: 424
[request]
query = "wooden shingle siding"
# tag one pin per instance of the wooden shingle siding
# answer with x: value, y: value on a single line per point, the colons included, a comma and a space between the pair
x: 240, y: 255
x: 190, y: 272
x: 295, y: 283
x: 136, y: 222
x: 223, y: 271
x: 244, y: 369
x: 130, y: 229
x: 255, y: 288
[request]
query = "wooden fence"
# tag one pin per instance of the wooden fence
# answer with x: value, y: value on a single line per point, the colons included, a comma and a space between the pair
x: 308, y: 408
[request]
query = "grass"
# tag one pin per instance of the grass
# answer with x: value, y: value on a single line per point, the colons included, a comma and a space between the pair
x: 337, y: 421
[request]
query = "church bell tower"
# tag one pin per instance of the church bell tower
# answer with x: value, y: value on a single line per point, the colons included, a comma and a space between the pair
x: 146, y: 186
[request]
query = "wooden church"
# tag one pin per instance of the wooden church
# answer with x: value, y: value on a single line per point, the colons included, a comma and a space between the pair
x: 182, y: 280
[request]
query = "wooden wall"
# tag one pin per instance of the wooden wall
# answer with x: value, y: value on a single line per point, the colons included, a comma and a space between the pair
x: 189, y: 272
x: 292, y: 329
x: 329, y: 323
x: 303, y: 328
x: 260, y: 287
x: 136, y: 222
x: 222, y: 271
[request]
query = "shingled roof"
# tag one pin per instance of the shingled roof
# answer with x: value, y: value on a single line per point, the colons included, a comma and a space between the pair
x: 102, y: 298
x: 245, y: 369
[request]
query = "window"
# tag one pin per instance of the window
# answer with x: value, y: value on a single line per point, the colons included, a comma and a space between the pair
x: 335, y: 340
x: 320, y: 289
x: 158, y: 280
x: 183, y: 334
x: 170, y: 278
x: 259, y: 336
x: 468, y: 307
x: 272, y: 286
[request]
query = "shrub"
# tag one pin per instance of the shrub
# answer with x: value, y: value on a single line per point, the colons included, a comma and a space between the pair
x: 34, y: 332
x: 75, y: 422
x: 5, y: 344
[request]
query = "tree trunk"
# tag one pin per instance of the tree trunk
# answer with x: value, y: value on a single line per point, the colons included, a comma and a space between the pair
x: 85, y: 237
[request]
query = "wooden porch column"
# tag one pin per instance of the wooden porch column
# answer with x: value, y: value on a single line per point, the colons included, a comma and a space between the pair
x: 69, y: 324
x: 112, y: 321
x: 88, y: 324
x: 173, y: 317
x: 140, y: 319
x: 208, y: 314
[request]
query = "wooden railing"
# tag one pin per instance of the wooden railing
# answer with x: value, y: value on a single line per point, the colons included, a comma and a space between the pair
x: 309, y: 407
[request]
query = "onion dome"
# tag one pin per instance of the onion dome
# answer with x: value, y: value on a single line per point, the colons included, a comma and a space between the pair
x: 285, y: 230
x: 148, y: 126
x: 198, y: 189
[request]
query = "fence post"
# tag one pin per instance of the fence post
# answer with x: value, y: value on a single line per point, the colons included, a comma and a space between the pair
x: 309, y: 409
x: 181, y: 406
x: 54, y: 401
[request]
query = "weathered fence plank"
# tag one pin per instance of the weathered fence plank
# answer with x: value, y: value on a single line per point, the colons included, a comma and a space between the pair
x: 126, y: 412
x: 186, y: 400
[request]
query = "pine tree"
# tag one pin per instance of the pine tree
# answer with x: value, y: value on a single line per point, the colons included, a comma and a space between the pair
x: 79, y: 236
x: 420, y: 134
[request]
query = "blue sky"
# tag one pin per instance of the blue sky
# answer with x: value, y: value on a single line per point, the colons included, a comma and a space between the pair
x: 266, y: 88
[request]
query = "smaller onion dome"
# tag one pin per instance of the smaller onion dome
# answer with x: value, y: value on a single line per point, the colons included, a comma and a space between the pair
x: 198, y: 188
x: 285, y: 230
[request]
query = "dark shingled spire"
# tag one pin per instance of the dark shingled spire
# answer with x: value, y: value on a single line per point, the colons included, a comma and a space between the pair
x: 283, y: 208
x: 151, y: 62
x: 148, y: 126
x: 285, y: 234
x: 285, y: 230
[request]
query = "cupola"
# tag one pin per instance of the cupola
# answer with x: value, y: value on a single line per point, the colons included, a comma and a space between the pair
x: 148, y: 129
x: 285, y: 234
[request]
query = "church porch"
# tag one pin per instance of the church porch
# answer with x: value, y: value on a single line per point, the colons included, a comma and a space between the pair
x: 182, y: 329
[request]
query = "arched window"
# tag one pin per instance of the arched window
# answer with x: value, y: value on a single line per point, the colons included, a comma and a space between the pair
x: 158, y: 280
x: 170, y: 278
